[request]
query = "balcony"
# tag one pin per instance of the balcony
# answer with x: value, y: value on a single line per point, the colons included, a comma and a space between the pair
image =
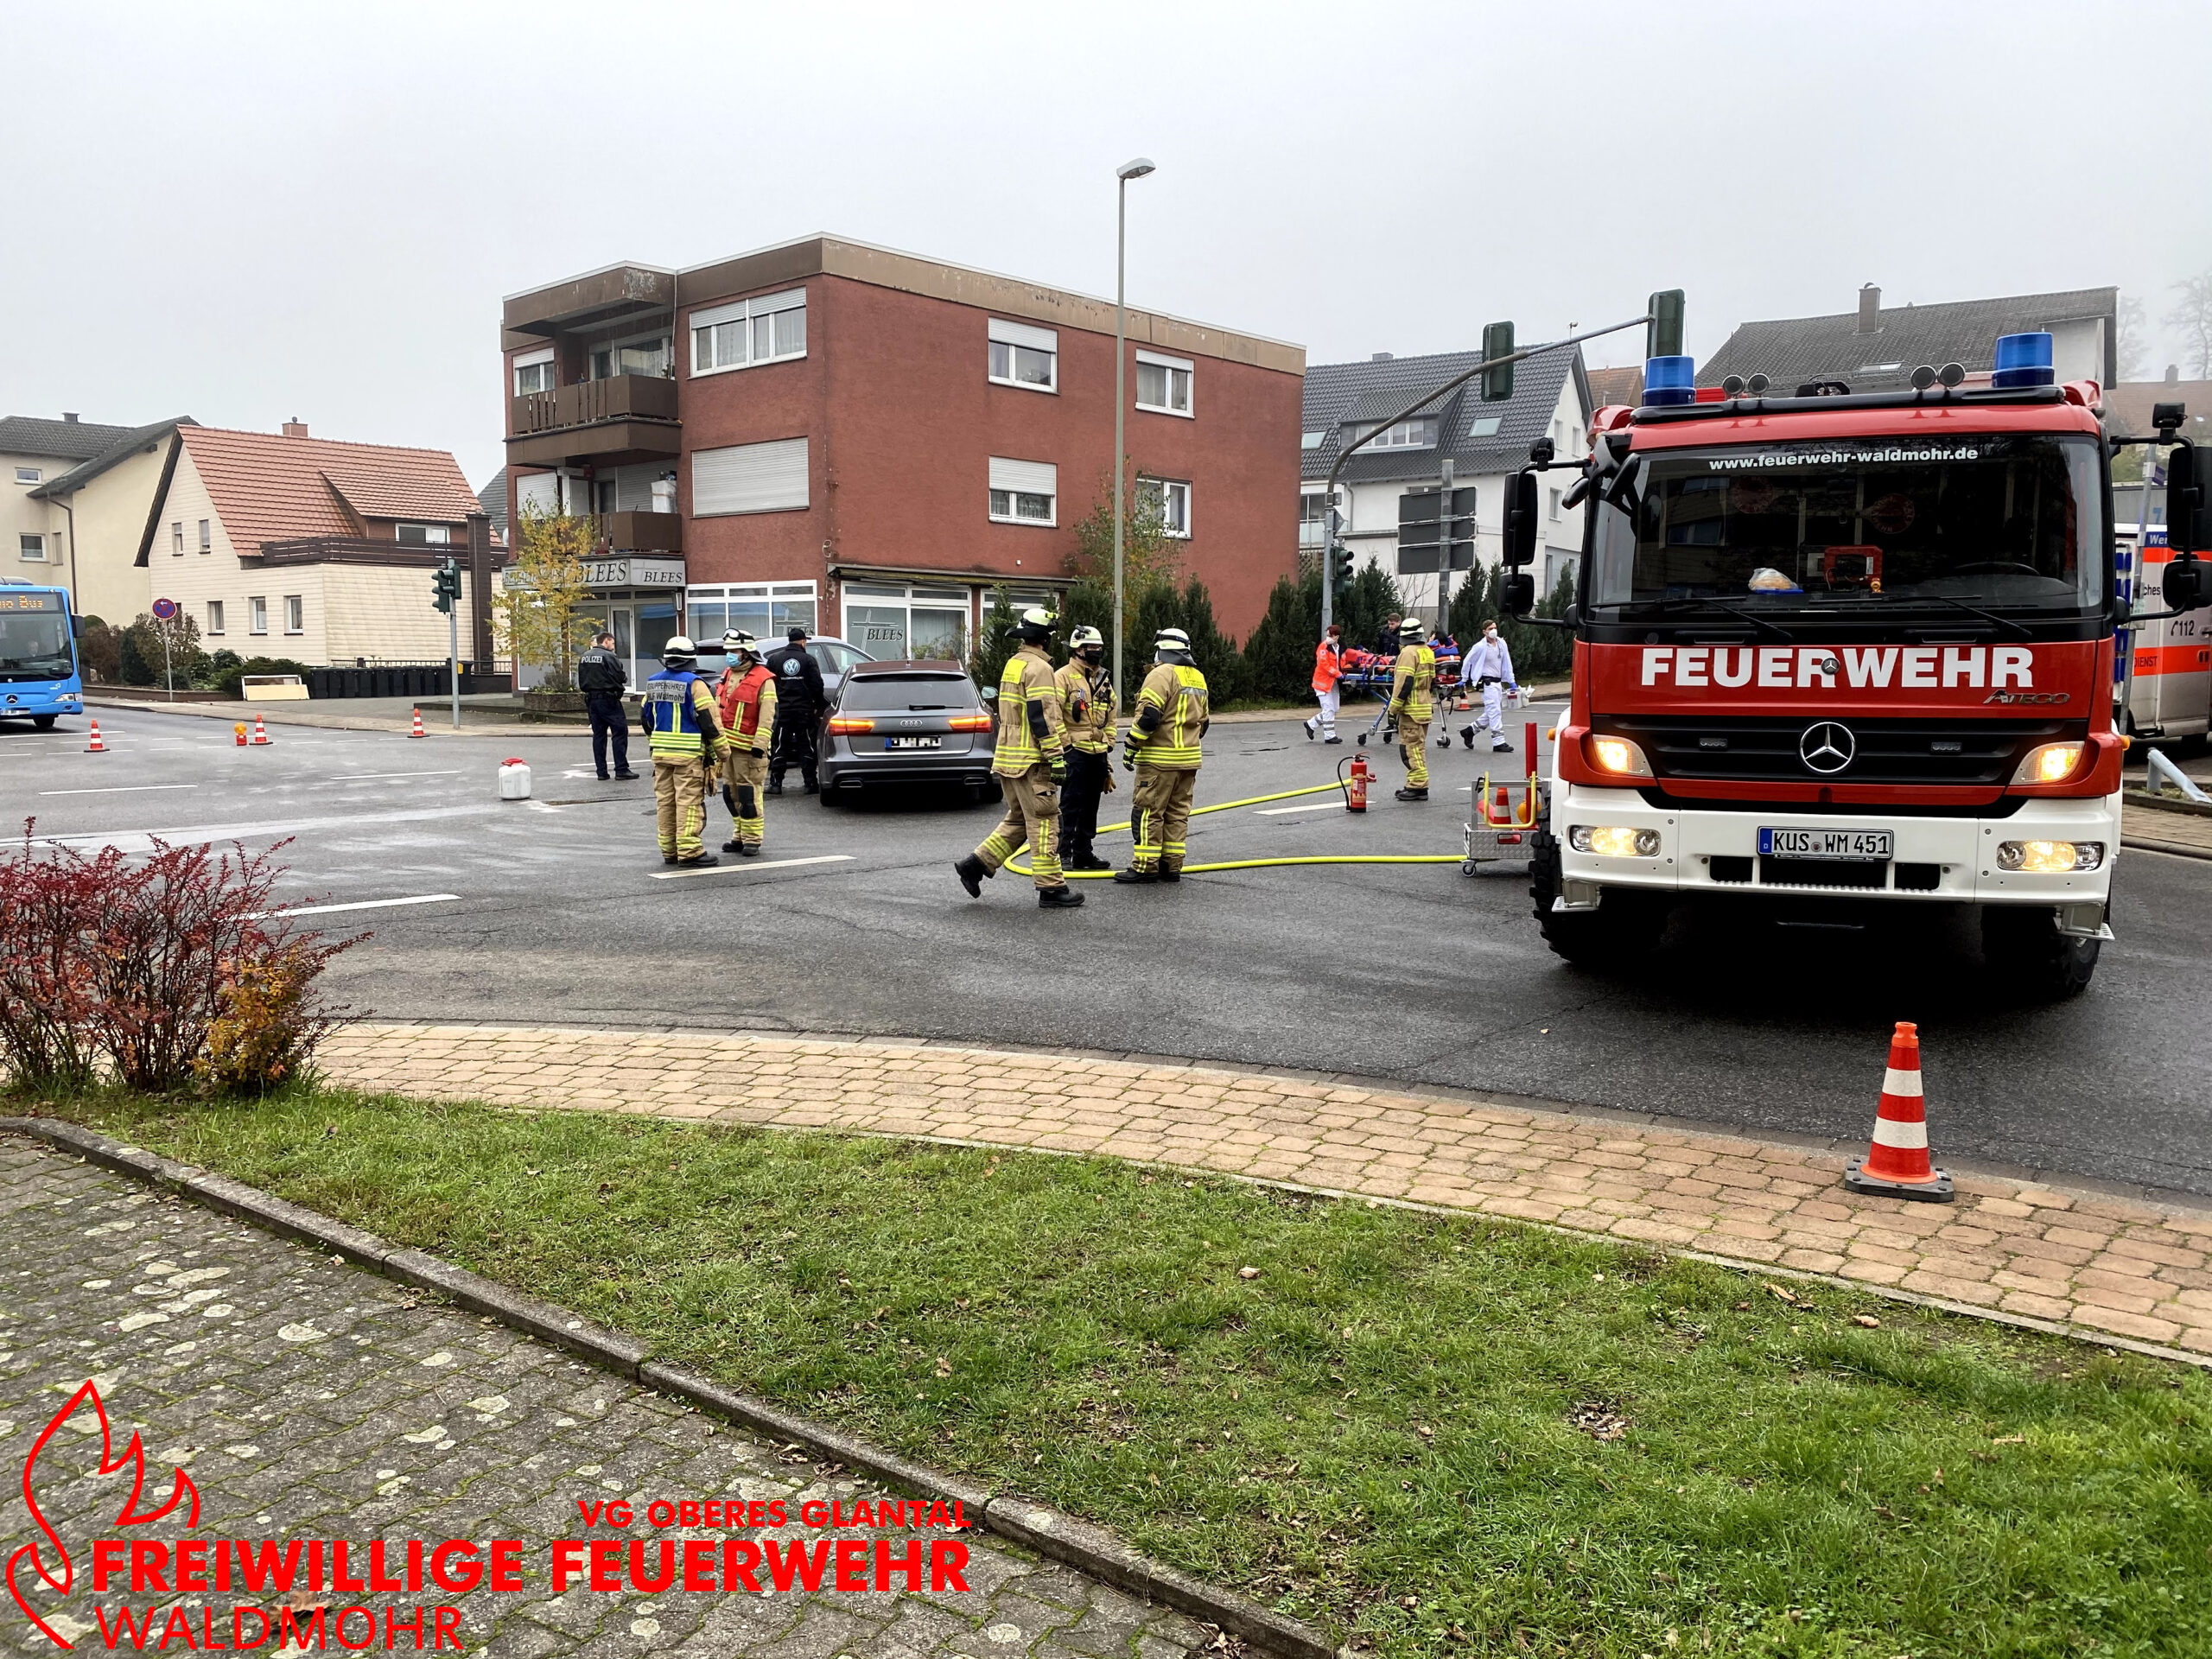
x: 625, y: 417
x: 642, y: 532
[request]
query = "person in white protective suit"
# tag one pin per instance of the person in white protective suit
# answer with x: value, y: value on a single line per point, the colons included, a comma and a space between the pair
x: 1489, y: 665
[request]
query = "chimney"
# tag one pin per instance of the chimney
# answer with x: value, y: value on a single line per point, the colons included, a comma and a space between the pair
x: 70, y: 415
x: 295, y: 427
x: 2173, y: 374
x: 1380, y: 357
x: 1869, y: 309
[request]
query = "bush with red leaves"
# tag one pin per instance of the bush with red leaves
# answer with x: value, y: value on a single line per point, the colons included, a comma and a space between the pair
x: 140, y: 962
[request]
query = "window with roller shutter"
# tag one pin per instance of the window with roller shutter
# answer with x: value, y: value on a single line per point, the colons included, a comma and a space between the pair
x: 749, y: 478
x: 1024, y: 492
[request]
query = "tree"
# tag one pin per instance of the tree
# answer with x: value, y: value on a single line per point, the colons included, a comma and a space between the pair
x: 538, y: 618
x: 1150, y: 557
x: 1278, y: 656
x: 2193, y: 317
x: 100, y: 651
x: 155, y: 652
x: 2132, y: 344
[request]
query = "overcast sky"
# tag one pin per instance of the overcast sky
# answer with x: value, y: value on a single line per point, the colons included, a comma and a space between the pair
x: 246, y: 213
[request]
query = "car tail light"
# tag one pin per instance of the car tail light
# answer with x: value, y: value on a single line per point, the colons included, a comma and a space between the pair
x: 840, y: 724
x: 970, y: 722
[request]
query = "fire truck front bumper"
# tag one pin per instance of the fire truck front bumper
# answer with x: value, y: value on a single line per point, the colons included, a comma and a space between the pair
x: 2052, y: 852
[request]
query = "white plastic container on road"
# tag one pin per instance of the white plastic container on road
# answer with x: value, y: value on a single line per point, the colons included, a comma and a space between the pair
x: 514, y: 779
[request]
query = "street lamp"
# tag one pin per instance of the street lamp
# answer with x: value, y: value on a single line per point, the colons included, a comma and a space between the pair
x: 1123, y: 174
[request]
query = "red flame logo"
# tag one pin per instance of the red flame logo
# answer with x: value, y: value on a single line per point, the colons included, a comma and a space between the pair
x: 134, y: 1454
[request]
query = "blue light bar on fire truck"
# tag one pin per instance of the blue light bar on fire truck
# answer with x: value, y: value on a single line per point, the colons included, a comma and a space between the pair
x: 1668, y: 381
x: 2023, y: 360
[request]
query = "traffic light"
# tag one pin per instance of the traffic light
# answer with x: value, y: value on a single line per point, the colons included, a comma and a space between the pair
x: 1498, y: 341
x: 1662, y: 334
x: 1340, y: 567
x: 445, y: 588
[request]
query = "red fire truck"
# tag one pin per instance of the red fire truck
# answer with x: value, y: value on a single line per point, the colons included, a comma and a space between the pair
x: 1837, y: 652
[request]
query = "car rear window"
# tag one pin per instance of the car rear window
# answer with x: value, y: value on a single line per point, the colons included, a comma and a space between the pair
x: 909, y: 691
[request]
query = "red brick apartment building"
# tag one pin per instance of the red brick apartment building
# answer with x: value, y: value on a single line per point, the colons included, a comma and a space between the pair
x: 866, y: 442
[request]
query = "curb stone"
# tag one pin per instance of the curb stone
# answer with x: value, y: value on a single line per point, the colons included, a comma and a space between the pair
x: 1036, y: 1526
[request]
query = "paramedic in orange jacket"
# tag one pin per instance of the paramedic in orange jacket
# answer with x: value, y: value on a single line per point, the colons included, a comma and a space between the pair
x: 1328, y: 668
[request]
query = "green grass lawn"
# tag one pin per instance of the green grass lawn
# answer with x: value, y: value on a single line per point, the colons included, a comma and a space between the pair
x: 1426, y: 1435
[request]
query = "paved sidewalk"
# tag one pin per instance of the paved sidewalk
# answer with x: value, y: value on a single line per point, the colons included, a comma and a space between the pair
x: 2135, y: 1270
x: 308, y: 1400
x: 2164, y: 829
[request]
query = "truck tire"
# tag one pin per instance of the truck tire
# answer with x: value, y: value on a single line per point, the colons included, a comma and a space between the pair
x: 43, y: 722
x: 2022, y: 947
x: 1620, y: 933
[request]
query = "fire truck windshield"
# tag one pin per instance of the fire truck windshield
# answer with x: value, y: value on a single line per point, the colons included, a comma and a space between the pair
x: 2009, y: 522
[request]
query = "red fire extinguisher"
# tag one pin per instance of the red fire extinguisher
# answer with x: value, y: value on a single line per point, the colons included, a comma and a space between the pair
x: 1356, y: 785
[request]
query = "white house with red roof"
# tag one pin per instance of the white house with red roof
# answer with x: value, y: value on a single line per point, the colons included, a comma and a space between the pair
x: 283, y: 545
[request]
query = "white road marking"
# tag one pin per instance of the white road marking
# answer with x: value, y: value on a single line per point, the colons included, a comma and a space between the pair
x: 366, y: 903
x: 772, y: 864
x: 142, y: 841
x: 368, y: 777
x: 117, y: 789
x: 1285, y: 811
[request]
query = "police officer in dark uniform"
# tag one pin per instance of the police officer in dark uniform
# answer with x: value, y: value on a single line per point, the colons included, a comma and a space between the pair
x: 799, y: 703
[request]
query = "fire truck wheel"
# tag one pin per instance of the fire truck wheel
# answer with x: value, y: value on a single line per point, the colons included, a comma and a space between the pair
x: 1625, y: 928
x: 2023, y: 946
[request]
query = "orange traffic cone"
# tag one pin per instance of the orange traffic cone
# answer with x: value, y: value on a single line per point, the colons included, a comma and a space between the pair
x: 260, y: 731
x: 418, y: 730
x: 96, y: 746
x: 1896, y: 1163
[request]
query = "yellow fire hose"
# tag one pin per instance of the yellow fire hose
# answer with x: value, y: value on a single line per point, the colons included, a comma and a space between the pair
x: 1019, y: 869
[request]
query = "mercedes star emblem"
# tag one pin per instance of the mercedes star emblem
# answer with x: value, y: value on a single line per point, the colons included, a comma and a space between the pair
x: 1828, y: 746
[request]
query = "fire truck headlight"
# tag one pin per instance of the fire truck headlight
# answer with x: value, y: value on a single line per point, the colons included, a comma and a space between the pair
x: 1617, y: 755
x: 1613, y: 841
x: 2050, y: 763
x: 2049, y: 857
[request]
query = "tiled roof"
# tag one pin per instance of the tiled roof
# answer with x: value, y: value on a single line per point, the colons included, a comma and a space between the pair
x: 1339, y: 392
x: 1611, y: 387
x: 411, y: 493
x: 271, y: 488
x: 1793, y: 351
x: 134, y: 439
x: 30, y: 434
x: 2127, y: 406
x: 493, y: 498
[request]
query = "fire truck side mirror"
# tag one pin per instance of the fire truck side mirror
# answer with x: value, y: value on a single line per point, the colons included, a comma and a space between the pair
x: 1520, y: 519
x: 1519, y: 593
x: 2189, y: 497
x: 2184, y: 588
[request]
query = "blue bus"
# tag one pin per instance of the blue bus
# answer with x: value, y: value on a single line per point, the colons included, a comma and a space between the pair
x: 39, y: 679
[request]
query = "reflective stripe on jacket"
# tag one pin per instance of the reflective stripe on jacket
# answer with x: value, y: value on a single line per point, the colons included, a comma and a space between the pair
x: 1328, y: 666
x: 1412, y: 679
x: 1025, y: 681
x: 1180, y: 693
x: 748, y: 706
x: 1087, y: 706
x: 679, y: 715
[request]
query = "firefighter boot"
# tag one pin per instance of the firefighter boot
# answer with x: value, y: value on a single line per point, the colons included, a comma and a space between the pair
x: 1058, y: 898
x: 1421, y: 794
x: 973, y: 873
x: 1136, y: 877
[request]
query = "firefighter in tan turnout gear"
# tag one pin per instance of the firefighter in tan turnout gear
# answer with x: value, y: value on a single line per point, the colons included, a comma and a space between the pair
x: 1172, y: 715
x: 681, y: 729
x: 1413, y: 688
x: 747, y: 696
x: 1087, y: 706
x: 1031, y: 766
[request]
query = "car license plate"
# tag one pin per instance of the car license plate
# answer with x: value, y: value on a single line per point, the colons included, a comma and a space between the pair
x: 913, y: 742
x: 1865, y: 846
